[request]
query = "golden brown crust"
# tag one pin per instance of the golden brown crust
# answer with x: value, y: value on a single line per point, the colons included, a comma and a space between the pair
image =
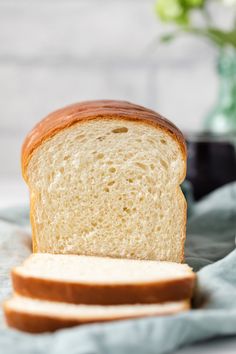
x: 104, y: 294
x: 90, y: 110
x: 32, y: 222
x: 183, y: 237
x: 38, y: 323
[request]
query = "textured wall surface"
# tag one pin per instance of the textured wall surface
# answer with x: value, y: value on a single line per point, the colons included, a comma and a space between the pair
x: 53, y: 53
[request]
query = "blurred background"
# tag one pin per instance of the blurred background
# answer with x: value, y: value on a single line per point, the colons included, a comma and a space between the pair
x: 53, y: 53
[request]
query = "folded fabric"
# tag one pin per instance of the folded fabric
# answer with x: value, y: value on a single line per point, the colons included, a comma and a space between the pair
x: 210, y: 248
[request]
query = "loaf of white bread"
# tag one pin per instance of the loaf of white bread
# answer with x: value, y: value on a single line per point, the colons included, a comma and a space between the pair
x: 104, y: 180
x: 108, y: 219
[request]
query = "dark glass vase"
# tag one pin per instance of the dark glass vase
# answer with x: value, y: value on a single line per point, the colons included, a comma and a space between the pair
x: 211, y: 162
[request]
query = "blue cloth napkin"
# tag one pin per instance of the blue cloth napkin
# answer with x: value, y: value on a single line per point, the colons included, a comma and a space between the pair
x: 210, y: 250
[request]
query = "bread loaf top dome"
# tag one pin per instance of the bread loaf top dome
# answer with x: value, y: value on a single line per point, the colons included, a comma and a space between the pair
x: 91, y: 110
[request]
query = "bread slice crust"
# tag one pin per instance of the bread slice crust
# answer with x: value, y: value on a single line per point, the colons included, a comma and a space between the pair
x: 104, y: 294
x: 91, y: 110
x: 40, y: 322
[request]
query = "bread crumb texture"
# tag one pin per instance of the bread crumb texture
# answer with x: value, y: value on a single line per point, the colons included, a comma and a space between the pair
x: 109, y: 188
x: 101, y: 270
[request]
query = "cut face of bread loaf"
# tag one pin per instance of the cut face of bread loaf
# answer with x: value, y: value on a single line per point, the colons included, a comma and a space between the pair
x: 37, y: 316
x: 104, y: 180
x: 102, y: 281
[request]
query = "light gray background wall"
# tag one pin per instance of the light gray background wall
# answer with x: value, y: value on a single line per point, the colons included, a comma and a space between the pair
x: 53, y: 53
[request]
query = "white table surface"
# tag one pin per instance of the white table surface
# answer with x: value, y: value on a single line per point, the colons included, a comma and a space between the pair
x: 15, y: 193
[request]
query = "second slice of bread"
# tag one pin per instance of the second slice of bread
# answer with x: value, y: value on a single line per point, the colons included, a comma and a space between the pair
x: 102, y: 280
x: 37, y: 316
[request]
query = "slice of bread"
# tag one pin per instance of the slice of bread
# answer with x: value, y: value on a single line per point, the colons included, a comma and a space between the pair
x: 102, y: 281
x: 37, y: 316
x: 104, y: 180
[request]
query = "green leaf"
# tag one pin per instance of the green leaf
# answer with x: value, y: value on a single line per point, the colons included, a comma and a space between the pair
x: 222, y: 37
x: 215, y: 35
x: 165, y: 38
